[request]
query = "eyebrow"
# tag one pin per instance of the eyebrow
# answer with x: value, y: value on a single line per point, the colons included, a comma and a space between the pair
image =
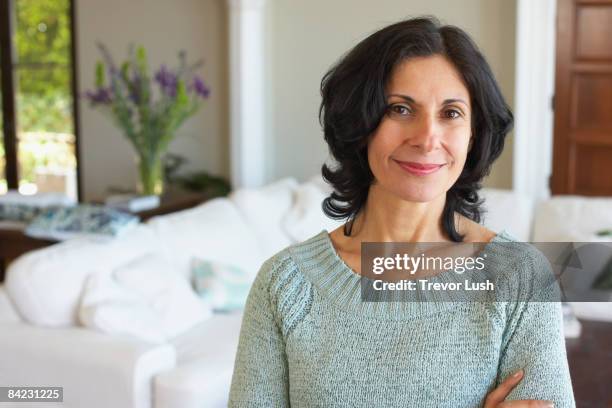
x: 445, y: 102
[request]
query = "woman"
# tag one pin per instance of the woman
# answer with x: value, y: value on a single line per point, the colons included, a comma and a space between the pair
x: 414, y: 119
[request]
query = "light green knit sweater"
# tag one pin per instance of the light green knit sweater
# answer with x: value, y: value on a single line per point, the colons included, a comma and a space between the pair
x: 308, y: 340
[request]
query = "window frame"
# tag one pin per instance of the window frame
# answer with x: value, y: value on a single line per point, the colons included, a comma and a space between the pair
x: 7, y: 81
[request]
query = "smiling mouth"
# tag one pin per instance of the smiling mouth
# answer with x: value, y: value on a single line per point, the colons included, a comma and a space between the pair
x: 419, y: 169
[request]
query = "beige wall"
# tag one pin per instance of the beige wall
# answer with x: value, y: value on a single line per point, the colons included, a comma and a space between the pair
x: 163, y: 27
x: 306, y: 37
x: 303, y: 39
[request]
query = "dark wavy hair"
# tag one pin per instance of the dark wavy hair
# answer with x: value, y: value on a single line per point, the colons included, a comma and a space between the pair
x: 354, y: 102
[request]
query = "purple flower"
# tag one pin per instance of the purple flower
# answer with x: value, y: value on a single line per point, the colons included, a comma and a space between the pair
x: 200, y: 87
x: 100, y: 96
x: 167, y: 81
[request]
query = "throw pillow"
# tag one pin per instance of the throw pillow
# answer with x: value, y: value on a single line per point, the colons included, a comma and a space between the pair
x: 221, y: 286
x: 63, y: 223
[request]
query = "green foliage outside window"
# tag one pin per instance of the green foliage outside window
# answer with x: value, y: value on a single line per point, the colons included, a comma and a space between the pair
x: 42, y: 44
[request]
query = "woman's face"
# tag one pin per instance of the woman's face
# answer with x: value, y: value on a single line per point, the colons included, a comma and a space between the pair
x: 419, y: 149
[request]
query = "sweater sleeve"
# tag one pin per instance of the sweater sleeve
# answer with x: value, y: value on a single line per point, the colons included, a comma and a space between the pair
x: 534, y: 340
x: 260, y: 377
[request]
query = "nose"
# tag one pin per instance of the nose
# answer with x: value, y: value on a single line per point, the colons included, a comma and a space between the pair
x: 425, y: 135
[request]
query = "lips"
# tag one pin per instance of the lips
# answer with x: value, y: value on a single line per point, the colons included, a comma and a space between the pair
x: 419, y: 169
x: 421, y: 166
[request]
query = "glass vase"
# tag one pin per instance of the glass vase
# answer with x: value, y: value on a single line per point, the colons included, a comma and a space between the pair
x: 150, y: 169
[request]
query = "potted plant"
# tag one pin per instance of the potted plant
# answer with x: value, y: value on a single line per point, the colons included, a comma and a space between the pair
x: 148, y: 109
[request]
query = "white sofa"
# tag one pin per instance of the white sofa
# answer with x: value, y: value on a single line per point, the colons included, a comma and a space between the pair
x: 41, y: 342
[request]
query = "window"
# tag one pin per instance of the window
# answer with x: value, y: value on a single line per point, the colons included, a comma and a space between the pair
x: 39, y: 133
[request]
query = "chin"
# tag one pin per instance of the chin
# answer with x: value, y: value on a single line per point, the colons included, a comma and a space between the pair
x: 419, y: 193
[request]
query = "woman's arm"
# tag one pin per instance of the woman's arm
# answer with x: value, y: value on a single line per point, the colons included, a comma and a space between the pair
x: 534, y: 339
x: 260, y: 371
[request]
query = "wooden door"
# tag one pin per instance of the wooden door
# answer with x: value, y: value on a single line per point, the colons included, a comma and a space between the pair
x: 582, y: 148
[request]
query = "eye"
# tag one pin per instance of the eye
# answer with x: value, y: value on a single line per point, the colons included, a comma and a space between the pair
x: 452, y: 114
x: 399, y: 110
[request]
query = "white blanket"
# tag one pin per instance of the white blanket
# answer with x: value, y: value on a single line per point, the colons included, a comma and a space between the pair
x: 144, y: 299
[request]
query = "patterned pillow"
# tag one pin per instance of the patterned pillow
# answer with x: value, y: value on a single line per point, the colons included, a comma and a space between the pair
x: 90, y: 220
x: 24, y: 208
x: 224, y: 288
x: 18, y: 212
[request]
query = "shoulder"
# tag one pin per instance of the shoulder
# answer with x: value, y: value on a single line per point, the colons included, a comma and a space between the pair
x: 524, y: 272
x: 522, y: 256
x: 290, y: 259
x: 277, y: 273
x: 281, y: 286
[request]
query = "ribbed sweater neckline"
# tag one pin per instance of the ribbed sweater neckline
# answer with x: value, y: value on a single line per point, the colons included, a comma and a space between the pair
x: 338, y: 284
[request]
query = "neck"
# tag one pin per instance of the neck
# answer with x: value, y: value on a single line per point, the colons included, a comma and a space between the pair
x: 388, y: 218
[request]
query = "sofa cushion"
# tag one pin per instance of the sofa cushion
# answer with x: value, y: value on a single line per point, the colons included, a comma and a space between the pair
x: 214, y: 230
x: 263, y: 209
x: 205, y: 363
x: 45, y: 285
x: 572, y: 219
x: 509, y: 211
x: 7, y: 310
x: 96, y: 370
x: 306, y: 217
